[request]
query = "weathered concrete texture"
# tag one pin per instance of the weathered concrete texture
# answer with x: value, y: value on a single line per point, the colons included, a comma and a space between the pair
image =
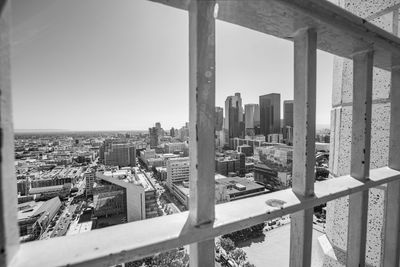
x: 337, y: 81
x: 365, y: 8
x: 337, y: 213
x: 342, y: 92
x: 341, y: 123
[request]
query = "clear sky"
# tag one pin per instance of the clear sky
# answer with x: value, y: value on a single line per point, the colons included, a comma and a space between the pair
x: 123, y: 65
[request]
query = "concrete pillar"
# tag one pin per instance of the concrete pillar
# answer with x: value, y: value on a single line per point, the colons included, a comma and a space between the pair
x: 341, y: 122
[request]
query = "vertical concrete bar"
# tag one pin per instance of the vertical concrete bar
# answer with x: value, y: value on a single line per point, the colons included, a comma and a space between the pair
x: 395, y: 28
x: 391, y: 245
x: 360, y: 156
x: 305, y: 42
x: 201, y: 114
x: 9, y: 235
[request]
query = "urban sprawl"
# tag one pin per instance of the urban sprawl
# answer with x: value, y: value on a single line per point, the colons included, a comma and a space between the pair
x: 73, y: 182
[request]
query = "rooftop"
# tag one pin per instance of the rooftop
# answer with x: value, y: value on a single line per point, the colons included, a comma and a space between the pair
x: 250, y: 185
x: 32, y: 208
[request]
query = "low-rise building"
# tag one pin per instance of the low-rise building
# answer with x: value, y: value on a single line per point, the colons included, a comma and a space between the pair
x: 275, y: 138
x: 139, y: 193
x: 245, y: 149
x: 48, y: 192
x: 175, y: 147
x: 34, y: 217
x: 50, y: 182
x: 121, y: 155
x: 226, y: 189
x: 23, y: 187
x: 279, y: 154
x: 232, y: 162
x: 233, y: 188
x: 272, y: 179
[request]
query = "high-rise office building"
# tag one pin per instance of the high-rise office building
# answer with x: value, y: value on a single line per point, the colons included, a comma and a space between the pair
x: 172, y: 132
x: 89, y: 177
x: 120, y: 155
x: 153, y: 132
x: 234, y: 125
x: 270, y: 113
x: 252, y: 118
x: 288, y: 112
x: 288, y: 121
x: 106, y: 145
x: 219, y: 118
x: 160, y: 131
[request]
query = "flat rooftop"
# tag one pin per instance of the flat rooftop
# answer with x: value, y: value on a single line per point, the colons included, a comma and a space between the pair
x: 28, y: 209
x: 127, y: 177
x: 142, y: 178
x: 77, y: 228
x: 250, y: 185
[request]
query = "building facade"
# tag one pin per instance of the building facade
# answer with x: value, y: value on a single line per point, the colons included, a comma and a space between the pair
x: 153, y: 135
x: 234, y: 124
x: 287, y: 128
x: 270, y: 114
x: 252, y: 119
x: 121, y: 155
x: 219, y: 118
x: 177, y: 170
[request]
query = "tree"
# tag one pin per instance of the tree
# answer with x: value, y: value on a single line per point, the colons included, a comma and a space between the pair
x: 321, y: 173
x: 227, y: 244
x: 239, y: 255
x: 174, y: 257
x: 246, y: 233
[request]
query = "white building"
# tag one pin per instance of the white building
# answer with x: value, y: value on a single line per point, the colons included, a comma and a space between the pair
x: 140, y: 192
x: 173, y: 147
x: 177, y: 170
x: 89, y: 177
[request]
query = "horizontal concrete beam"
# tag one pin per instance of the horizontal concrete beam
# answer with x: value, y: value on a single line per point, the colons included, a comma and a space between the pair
x: 131, y: 241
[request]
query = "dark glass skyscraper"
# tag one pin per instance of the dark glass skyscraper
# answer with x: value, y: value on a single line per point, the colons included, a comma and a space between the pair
x: 270, y: 114
x: 288, y: 112
x: 288, y: 121
x: 153, y: 133
x: 234, y: 124
x: 219, y: 118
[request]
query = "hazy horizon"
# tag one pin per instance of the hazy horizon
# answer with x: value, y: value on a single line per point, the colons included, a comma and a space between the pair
x: 318, y: 127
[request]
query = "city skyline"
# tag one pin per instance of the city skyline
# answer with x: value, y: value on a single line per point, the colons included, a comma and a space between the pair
x: 137, y: 85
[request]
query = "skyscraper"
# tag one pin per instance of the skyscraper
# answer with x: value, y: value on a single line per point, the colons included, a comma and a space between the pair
x: 234, y: 116
x: 160, y: 131
x: 288, y: 112
x: 252, y: 118
x: 288, y: 121
x: 270, y: 113
x: 153, y: 132
x: 219, y: 118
